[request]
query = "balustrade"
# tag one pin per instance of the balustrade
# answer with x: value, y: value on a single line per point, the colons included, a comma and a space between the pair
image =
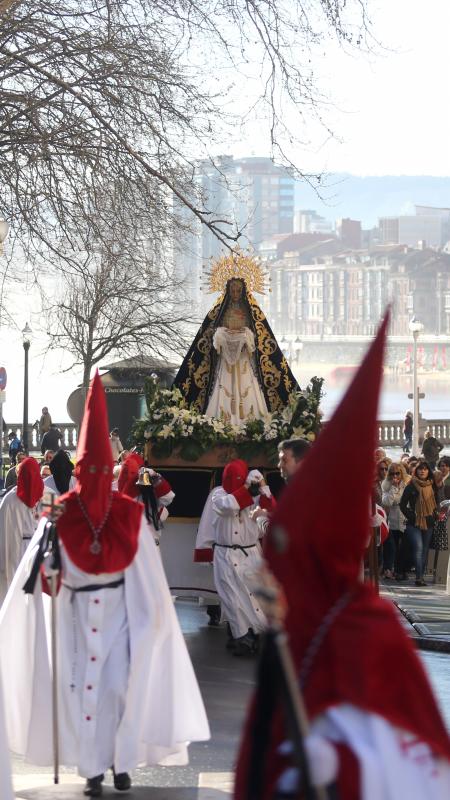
x: 390, y: 431
x: 68, y: 430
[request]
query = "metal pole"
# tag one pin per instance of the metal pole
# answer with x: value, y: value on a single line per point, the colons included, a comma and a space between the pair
x: 415, y: 441
x: 26, y: 347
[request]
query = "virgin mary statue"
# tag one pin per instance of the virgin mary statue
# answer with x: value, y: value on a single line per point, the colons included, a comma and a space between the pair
x: 235, y: 369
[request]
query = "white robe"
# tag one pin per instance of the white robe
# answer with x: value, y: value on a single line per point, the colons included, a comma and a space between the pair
x: 233, y: 568
x: 393, y: 764
x: 6, y: 790
x: 236, y: 393
x: 135, y: 699
x: 17, y: 525
x: 50, y: 485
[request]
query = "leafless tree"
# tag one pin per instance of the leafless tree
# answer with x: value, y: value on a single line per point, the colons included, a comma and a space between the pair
x: 129, y: 91
x: 128, y: 94
x: 120, y: 299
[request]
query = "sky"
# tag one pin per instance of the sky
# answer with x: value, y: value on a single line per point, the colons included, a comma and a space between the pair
x: 391, y: 112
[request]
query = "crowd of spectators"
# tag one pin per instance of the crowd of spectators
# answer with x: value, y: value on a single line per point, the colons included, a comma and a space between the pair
x: 411, y: 491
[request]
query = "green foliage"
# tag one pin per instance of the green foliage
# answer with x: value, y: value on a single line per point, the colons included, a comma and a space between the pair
x: 172, y: 427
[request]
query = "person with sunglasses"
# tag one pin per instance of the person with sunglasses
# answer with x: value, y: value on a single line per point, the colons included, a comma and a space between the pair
x: 394, y: 556
x: 419, y: 504
x: 381, y: 470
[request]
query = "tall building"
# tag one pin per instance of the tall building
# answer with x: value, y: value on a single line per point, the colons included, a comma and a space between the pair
x: 428, y: 226
x: 309, y: 221
x: 349, y: 232
x: 252, y: 194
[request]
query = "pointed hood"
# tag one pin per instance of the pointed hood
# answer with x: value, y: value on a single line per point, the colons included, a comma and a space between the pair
x: 317, y: 541
x: 342, y: 636
x: 94, y: 461
x: 99, y: 528
x: 129, y: 473
x: 234, y: 475
x: 30, y: 486
x: 61, y: 467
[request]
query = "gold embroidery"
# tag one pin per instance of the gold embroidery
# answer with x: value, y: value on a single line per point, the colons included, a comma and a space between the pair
x: 265, y: 347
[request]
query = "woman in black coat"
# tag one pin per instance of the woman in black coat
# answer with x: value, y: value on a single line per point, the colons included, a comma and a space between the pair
x: 419, y: 504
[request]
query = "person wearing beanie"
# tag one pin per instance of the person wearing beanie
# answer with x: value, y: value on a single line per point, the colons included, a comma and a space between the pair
x: 126, y: 687
x: 369, y: 738
x: 19, y: 516
x: 237, y: 552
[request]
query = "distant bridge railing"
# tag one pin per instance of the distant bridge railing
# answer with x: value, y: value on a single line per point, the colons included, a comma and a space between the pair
x: 68, y: 430
x: 390, y: 431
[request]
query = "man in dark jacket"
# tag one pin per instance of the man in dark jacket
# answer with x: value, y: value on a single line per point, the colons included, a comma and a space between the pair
x: 431, y: 449
x: 51, y: 440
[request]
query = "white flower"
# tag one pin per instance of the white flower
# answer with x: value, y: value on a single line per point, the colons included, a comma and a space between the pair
x: 147, y: 434
x: 166, y: 431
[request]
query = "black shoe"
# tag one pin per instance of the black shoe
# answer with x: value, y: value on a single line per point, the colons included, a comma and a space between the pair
x: 244, y: 646
x: 214, y: 614
x: 122, y: 781
x: 94, y: 786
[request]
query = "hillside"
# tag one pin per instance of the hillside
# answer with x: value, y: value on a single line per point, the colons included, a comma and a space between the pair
x: 369, y: 197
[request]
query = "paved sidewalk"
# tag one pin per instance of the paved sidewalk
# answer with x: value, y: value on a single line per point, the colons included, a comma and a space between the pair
x: 226, y: 683
x: 427, y: 610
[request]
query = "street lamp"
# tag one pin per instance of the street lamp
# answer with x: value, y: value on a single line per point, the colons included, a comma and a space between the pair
x: 26, y: 339
x: 416, y: 328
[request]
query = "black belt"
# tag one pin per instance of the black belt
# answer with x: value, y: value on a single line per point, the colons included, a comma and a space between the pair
x: 94, y: 587
x: 242, y: 547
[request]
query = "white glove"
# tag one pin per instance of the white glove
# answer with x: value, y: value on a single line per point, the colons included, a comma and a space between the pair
x: 254, y: 476
x: 323, y: 763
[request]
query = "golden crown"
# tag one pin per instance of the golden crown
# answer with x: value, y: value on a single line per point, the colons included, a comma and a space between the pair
x: 237, y: 265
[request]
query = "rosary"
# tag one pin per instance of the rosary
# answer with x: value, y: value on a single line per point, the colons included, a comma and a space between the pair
x: 95, y: 547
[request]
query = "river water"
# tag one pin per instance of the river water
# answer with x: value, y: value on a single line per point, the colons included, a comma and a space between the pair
x: 394, y: 399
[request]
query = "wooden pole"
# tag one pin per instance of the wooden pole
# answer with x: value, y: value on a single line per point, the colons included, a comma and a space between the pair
x: 374, y: 573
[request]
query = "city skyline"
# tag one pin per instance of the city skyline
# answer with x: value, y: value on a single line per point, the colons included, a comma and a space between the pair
x: 50, y: 384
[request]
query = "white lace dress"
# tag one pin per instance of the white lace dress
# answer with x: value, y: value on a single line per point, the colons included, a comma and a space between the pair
x: 236, y: 393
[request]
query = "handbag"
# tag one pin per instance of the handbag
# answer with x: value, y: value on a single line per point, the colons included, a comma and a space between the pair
x: 439, y: 538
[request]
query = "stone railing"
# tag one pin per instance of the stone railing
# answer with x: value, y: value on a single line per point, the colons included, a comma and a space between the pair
x: 68, y: 430
x: 390, y: 431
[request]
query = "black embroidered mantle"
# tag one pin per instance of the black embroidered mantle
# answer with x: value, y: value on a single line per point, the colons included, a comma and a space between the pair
x: 195, y: 378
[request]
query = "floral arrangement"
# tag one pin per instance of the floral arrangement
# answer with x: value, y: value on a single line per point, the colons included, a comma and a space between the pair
x: 171, y: 427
